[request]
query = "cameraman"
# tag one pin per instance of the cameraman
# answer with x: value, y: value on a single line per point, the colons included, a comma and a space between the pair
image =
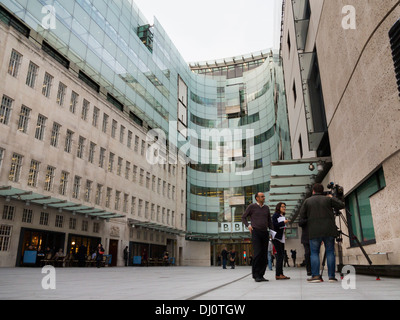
x: 318, y: 214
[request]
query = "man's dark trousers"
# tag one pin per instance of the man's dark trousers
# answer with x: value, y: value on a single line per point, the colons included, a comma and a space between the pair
x: 260, y: 252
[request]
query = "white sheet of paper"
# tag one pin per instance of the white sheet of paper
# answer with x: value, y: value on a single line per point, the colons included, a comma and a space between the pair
x: 272, y: 233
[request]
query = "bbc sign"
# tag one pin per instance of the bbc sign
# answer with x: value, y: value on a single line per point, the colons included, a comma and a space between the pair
x: 232, y: 227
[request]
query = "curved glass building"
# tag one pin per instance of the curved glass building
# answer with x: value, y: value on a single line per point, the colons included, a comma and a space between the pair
x: 242, y: 100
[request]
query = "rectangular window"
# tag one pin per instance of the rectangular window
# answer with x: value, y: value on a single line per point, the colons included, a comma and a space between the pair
x: 105, y: 123
x: 119, y: 166
x: 33, y: 173
x: 111, y: 162
x: 59, y: 221
x: 95, y: 119
x: 88, y: 191
x: 72, y: 223
x: 358, y: 204
x: 40, y: 127
x: 24, y: 119
x: 108, y: 197
x: 129, y: 142
x: 44, y: 219
x: 114, y: 128
x: 74, y: 101
x: 63, y: 183
x: 102, y: 157
x: 68, y: 141
x: 5, y: 110
x: 48, y: 183
x: 27, y: 215
x: 81, y: 147
x: 92, y: 150
x: 32, y: 75
x: 5, y: 237
x: 122, y: 134
x: 76, y: 188
x: 55, y: 134
x: 85, y: 225
x: 47, y: 83
x: 117, y: 200
x: 85, y: 109
x: 62, y: 89
x: 15, y: 63
x: 99, y: 191
x: 16, y: 165
x: 8, y: 213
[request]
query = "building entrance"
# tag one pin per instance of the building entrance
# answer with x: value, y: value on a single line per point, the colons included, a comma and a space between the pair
x: 243, y: 249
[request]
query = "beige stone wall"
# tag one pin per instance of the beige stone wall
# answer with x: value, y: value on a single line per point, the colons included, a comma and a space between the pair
x: 363, y: 112
x: 25, y: 144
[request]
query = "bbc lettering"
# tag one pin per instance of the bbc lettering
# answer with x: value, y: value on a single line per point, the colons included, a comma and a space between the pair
x: 229, y: 227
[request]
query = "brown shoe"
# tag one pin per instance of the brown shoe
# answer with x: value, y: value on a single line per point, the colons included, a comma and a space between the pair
x: 281, y: 277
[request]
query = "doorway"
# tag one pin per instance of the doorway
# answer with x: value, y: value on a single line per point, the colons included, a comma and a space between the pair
x: 113, y: 251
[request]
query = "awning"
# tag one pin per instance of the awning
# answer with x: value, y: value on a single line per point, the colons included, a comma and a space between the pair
x: 155, y: 226
x: 29, y: 197
x: 292, y: 180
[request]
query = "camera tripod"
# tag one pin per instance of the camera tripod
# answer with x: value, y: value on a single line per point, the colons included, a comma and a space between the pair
x: 339, y: 240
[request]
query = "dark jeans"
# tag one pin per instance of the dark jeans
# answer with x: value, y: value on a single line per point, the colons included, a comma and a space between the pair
x: 307, y: 257
x: 260, y: 247
x: 280, y: 251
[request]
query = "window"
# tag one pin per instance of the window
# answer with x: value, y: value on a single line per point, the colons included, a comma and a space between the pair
x: 85, y: 109
x: 127, y: 169
x: 63, y: 183
x: 27, y: 215
x: 24, y: 119
x: 111, y: 162
x: 92, y: 150
x: 8, y: 213
x: 1, y: 156
x: 74, y: 101
x: 59, y: 221
x: 81, y: 147
x: 48, y: 183
x: 88, y: 191
x: 129, y: 142
x: 95, y: 119
x: 16, y: 165
x: 105, y: 123
x: 33, y: 173
x: 102, y: 157
x: 44, y: 219
x: 114, y: 128
x: 62, y: 89
x: 5, y: 236
x: 119, y: 166
x: 55, y: 134
x: 117, y: 200
x: 358, y: 204
x: 40, y: 127
x: 96, y: 227
x: 5, y: 110
x: 99, y: 191
x: 85, y: 225
x: 32, y: 75
x: 122, y: 134
x: 72, y: 223
x: 108, y: 197
x: 76, y: 188
x: 47, y: 83
x: 15, y: 63
x: 68, y: 141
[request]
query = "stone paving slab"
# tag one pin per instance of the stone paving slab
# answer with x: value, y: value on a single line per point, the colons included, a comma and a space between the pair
x: 183, y: 283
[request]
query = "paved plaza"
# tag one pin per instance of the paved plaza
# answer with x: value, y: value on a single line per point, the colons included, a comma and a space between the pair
x: 184, y: 283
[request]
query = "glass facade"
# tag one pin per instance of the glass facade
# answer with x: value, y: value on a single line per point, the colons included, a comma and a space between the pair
x: 228, y: 120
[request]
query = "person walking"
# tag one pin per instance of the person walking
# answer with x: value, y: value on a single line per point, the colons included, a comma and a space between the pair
x: 224, y: 255
x: 317, y: 210
x: 99, y: 255
x: 232, y: 258
x: 126, y: 256
x: 279, y: 221
x: 294, y: 255
x: 260, y: 223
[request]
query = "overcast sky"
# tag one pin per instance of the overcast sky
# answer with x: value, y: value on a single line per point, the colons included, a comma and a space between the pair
x: 212, y: 29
